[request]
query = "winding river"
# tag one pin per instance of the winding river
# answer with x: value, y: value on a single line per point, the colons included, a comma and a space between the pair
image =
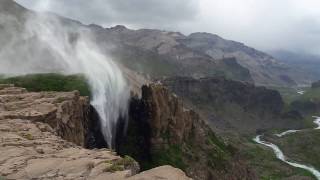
x: 280, y: 154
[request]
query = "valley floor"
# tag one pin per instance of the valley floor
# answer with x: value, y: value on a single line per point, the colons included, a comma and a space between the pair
x: 296, y: 148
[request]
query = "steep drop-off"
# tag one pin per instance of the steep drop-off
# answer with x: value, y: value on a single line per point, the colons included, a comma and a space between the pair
x: 162, y: 131
x: 232, y: 105
x: 40, y: 133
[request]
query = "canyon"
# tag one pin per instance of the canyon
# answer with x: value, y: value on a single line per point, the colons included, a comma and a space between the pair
x: 43, y: 135
x: 46, y: 134
x: 84, y: 101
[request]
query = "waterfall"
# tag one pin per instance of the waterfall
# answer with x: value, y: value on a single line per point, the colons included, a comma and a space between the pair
x: 49, y: 44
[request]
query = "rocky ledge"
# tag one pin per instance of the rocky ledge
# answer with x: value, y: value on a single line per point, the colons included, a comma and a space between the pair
x: 41, y: 138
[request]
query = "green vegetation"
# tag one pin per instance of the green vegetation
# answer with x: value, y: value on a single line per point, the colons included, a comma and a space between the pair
x: 307, y: 104
x: 266, y: 164
x: 302, y: 147
x: 288, y: 94
x: 173, y: 156
x: 212, y: 150
x: 312, y: 94
x: 50, y: 82
x: 27, y: 136
x: 113, y: 167
x: 291, y: 96
x: 119, y: 164
x: 126, y: 161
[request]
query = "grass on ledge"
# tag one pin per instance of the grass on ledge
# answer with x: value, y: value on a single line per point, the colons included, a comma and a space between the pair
x: 50, y: 82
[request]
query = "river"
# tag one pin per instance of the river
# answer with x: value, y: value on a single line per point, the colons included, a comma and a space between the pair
x: 280, y: 154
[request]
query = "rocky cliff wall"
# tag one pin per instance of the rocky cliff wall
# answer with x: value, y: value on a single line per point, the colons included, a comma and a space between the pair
x: 162, y: 131
x: 38, y: 134
x: 233, y: 105
x: 66, y: 112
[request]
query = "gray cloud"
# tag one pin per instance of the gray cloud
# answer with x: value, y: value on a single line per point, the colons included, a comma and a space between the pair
x: 135, y: 13
x: 264, y: 24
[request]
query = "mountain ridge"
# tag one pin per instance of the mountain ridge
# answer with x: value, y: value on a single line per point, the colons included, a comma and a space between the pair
x: 158, y: 53
x: 188, y: 50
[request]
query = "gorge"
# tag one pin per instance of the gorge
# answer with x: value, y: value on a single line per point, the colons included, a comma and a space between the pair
x: 84, y: 101
x: 43, y: 135
x: 68, y: 115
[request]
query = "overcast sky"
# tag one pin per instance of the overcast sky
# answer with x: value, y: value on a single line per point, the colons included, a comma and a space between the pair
x: 264, y: 24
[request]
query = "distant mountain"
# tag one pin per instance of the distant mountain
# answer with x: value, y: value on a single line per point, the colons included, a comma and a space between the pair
x: 264, y: 69
x: 156, y: 53
x: 201, y: 55
x: 308, y: 63
x: 160, y: 53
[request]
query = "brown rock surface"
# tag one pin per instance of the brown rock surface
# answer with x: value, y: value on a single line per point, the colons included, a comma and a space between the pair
x: 159, y: 172
x: 66, y: 112
x: 162, y: 131
x: 30, y: 147
x: 204, y: 154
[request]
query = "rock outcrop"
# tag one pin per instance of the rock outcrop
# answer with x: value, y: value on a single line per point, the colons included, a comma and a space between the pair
x: 40, y: 133
x: 162, y: 131
x: 233, y: 105
x: 66, y: 112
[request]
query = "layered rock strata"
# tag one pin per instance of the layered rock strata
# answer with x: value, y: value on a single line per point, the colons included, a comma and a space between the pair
x: 40, y: 133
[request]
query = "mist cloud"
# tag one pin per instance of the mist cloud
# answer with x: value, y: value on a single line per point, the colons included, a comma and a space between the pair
x: 135, y: 13
x: 42, y: 43
x: 264, y: 24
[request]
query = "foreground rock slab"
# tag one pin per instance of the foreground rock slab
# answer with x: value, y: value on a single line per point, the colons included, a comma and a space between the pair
x: 31, y: 146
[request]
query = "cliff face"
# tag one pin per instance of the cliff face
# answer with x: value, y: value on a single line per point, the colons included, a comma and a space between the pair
x: 232, y: 105
x: 66, y: 112
x: 40, y: 133
x: 162, y: 131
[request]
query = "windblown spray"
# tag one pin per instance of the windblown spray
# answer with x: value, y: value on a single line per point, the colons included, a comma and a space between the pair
x: 69, y: 49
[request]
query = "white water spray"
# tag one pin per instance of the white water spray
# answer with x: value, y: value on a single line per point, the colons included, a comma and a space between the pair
x: 109, y: 90
x: 69, y: 49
